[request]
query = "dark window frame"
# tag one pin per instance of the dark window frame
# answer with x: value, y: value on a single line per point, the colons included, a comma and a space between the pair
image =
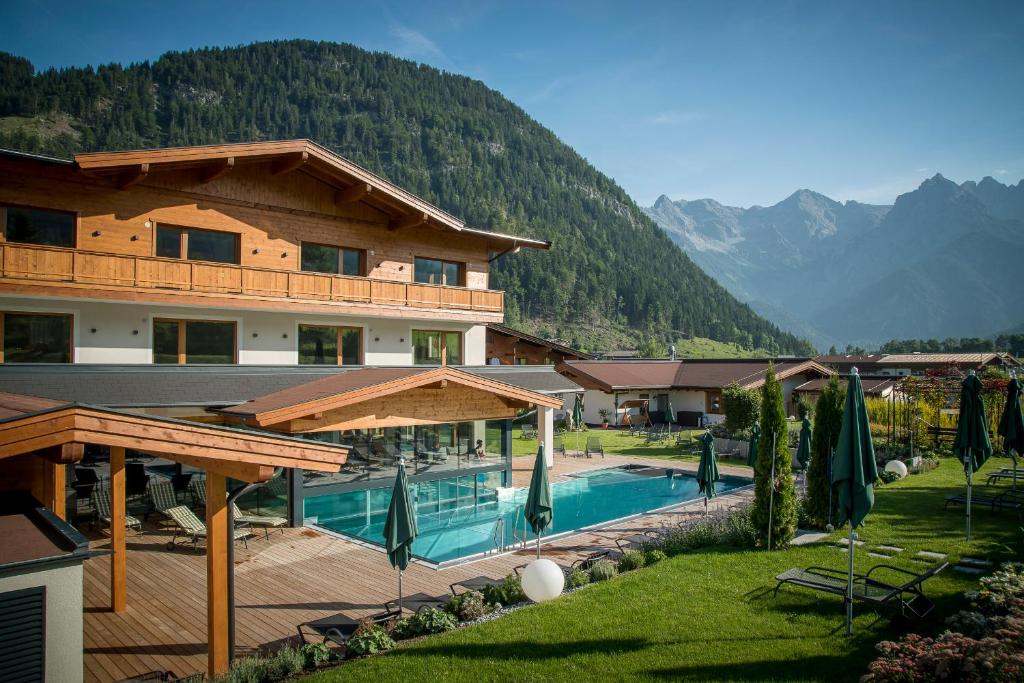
x: 340, y: 265
x: 182, y: 337
x: 444, y: 279
x: 183, y: 243
x: 75, y: 216
x: 339, y: 332
x: 71, y: 332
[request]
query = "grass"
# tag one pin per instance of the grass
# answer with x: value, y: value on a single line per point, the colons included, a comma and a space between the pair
x: 710, y: 615
x: 615, y: 441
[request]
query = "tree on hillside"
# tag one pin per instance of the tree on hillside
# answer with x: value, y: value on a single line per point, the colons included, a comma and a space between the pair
x: 828, y: 419
x: 781, y: 517
x: 652, y: 347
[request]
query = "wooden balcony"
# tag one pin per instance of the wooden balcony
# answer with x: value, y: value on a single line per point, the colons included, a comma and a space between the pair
x: 39, y: 268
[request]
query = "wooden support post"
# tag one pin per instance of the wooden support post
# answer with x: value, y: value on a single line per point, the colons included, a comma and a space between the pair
x: 55, y: 476
x: 217, y: 539
x: 118, y: 561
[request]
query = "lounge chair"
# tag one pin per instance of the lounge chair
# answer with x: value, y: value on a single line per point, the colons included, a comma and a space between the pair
x: 417, y: 602
x: 997, y: 500
x: 100, y: 499
x: 339, y: 628
x: 528, y: 432
x: 908, y: 594
x: 197, y: 489
x: 477, y: 583
x: 162, y: 495
x: 634, y: 541
x: 188, y: 526
x: 589, y: 560
x: 594, y: 447
x: 265, y: 522
x: 997, y: 477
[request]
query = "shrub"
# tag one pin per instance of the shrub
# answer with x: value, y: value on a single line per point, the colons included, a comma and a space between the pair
x: 774, y: 513
x: 576, y: 578
x: 887, y: 477
x: 828, y: 419
x: 315, y: 654
x: 654, y: 555
x: 735, y: 530
x: 369, y: 639
x: 286, y: 662
x: 603, y: 570
x: 424, y: 622
x: 508, y: 592
x: 247, y: 670
x: 468, y: 606
x: 630, y: 560
x: 741, y: 407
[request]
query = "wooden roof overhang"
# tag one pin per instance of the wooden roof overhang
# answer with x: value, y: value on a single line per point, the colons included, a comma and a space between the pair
x: 352, y: 182
x: 58, y: 431
x: 401, y: 397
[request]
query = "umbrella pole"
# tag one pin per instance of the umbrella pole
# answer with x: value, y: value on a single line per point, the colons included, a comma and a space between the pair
x: 538, y: 543
x: 399, y: 593
x: 771, y: 494
x: 849, y: 588
x: 831, y: 456
x: 967, y: 465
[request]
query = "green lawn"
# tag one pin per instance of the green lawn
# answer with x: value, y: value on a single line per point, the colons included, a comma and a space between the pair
x: 614, y: 441
x: 710, y: 615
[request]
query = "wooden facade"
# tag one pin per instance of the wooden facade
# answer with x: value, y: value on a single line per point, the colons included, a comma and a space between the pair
x: 512, y: 347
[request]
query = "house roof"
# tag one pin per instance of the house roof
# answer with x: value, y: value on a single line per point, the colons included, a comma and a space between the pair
x: 352, y: 182
x: 538, y: 341
x: 930, y: 359
x: 609, y: 375
x: 35, y: 537
x: 872, y: 385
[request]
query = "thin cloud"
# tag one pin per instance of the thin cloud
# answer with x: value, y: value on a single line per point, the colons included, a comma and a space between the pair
x: 675, y: 118
x: 414, y: 45
x: 1001, y: 171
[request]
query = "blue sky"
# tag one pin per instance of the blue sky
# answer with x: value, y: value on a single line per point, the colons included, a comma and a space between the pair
x: 743, y: 102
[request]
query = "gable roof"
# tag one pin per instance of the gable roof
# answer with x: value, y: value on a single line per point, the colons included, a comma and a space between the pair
x: 871, y: 385
x: 537, y: 341
x: 698, y: 374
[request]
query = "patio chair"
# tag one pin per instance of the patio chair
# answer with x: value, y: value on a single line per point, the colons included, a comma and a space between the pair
x: 594, y: 447
x: 162, y: 495
x: 440, y: 455
x: 909, y: 594
x: 589, y: 560
x: 190, y: 527
x: 265, y: 522
x: 998, y: 499
x: 100, y: 499
x: 338, y: 628
x: 417, y: 602
x: 135, y: 479
x: 197, y: 489
x: 558, y: 446
x: 529, y: 432
x: 277, y: 487
x: 634, y: 541
x: 180, y: 482
x: 477, y: 583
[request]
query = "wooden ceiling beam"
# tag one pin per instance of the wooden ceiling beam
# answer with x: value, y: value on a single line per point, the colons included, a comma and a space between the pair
x: 289, y: 163
x: 63, y: 454
x: 216, y: 170
x: 410, y: 221
x: 132, y: 176
x: 350, y: 195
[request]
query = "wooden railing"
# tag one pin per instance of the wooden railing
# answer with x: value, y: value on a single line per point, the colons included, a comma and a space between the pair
x: 56, y: 264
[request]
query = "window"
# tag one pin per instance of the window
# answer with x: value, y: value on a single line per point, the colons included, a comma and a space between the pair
x: 36, y: 338
x: 330, y: 345
x: 437, y: 272
x: 195, y: 342
x: 323, y: 258
x: 36, y: 226
x: 429, y: 345
x: 195, y: 244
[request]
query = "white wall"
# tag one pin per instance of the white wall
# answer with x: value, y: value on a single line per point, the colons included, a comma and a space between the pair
x: 124, y: 332
x: 63, y: 618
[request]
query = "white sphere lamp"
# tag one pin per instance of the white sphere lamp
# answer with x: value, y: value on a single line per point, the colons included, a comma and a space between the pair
x: 543, y: 580
x: 897, y: 467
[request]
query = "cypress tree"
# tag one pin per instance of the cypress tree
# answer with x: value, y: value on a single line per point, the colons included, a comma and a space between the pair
x: 828, y: 419
x: 782, y: 516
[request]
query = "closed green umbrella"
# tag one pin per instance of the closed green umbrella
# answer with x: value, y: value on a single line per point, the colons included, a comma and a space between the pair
x: 539, y: 504
x: 400, y: 527
x: 670, y: 415
x: 972, y: 442
x: 803, y: 453
x: 707, y: 470
x: 577, y: 418
x: 854, y: 473
x: 1011, y: 424
x: 755, y: 437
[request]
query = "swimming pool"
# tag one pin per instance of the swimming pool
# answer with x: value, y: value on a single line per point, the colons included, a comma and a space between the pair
x: 452, y: 532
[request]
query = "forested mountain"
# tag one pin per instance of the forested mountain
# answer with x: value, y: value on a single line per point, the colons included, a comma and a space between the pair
x: 943, y: 261
x: 445, y: 137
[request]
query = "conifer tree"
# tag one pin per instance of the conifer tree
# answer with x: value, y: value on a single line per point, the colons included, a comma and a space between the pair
x: 828, y: 419
x: 777, y: 511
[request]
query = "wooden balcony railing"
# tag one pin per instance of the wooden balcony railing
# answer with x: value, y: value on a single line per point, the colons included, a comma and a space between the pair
x: 56, y: 264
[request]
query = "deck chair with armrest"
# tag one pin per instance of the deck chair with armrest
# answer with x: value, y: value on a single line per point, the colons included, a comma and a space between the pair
x: 161, y: 495
x: 636, y: 541
x: 197, y: 489
x: 594, y: 447
x: 995, y: 498
x: 100, y: 499
x: 909, y: 594
x: 265, y: 522
x: 528, y: 432
x: 191, y: 528
x: 477, y: 583
x: 338, y: 628
x: 589, y: 560
x: 417, y: 602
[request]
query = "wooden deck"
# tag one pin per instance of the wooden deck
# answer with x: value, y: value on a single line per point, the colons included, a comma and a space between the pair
x: 296, y: 576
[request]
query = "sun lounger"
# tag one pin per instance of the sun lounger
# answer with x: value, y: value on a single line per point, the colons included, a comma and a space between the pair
x: 594, y: 447
x: 197, y: 489
x: 588, y: 561
x: 528, y: 432
x: 265, y: 522
x: 998, y: 477
x: 477, y: 583
x: 339, y: 628
x: 908, y: 594
x: 190, y: 527
x: 417, y: 602
x: 1001, y: 500
x: 100, y: 499
x: 162, y: 495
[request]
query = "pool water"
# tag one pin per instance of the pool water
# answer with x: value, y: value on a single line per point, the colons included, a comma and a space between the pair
x: 589, y: 498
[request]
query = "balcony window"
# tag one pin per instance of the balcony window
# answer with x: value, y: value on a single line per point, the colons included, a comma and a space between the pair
x: 429, y: 346
x: 438, y: 272
x: 36, y: 338
x: 330, y: 345
x: 36, y: 226
x: 323, y: 258
x: 195, y: 244
x: 196, y: 342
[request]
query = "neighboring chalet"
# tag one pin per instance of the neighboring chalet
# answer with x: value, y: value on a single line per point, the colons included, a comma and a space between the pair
x: 694, y: 387
x: 506, y: 346
x: 266, y: 313
x: 874, y: 386
x: 904, y: 364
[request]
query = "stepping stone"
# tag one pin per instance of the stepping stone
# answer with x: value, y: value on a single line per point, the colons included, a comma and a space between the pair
x: 975, y: 562
x: 968, y: 570
x: 887, y: 557
x: 931, y: 555
x: 807, y: 537
x: 889, y: 548
x: 846, y: 541
x: 920, y: 560
x: 839, y: 547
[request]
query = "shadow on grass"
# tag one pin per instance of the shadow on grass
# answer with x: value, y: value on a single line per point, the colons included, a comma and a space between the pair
x: 829, y: 668
x: 526, y: 649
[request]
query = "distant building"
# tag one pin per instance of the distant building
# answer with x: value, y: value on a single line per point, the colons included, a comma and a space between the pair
x: 903, y: 364
x: 880, y: 387
x: 694, y: 387
x: 514, y: 347
x: 619, y: 354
